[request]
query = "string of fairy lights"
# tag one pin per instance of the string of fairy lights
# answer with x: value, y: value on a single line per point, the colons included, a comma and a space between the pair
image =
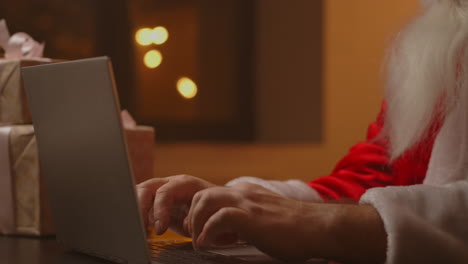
x: 153, y: 58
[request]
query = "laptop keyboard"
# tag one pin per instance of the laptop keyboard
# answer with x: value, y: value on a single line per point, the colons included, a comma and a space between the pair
x: 178, y: 251
x: 183, y: 252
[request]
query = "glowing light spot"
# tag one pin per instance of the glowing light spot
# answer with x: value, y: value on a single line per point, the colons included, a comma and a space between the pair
x: 159, y: 35
x: 187, y: 88
x: 153, y: 59
x: 144, y: 36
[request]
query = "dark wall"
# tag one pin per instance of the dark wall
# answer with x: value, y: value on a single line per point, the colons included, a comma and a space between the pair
x: 257, y: 63
x: 78, y: 29
x: 288, y: 84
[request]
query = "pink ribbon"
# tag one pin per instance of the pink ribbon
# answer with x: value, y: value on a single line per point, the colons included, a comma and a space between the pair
x: 20, y: 45
x: 127, y: 120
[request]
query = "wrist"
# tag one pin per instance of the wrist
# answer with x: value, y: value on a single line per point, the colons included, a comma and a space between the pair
x: 358, y: 234
x: 345, y: 232
x: 312, y: 224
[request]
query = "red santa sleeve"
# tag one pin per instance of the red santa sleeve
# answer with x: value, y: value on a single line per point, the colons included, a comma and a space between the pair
x: 367, y: 166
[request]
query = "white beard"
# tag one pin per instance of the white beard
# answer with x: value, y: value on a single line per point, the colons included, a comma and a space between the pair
x: 426, y: 3
x: 424, y: 72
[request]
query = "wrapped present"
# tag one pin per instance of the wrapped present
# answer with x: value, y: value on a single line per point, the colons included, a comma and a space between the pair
x: 20, y: 50
x: 140, y: 143
x: 24, y: 207
x: 23, y: 202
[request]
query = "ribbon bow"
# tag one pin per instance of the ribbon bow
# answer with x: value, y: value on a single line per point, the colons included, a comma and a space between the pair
x: 20, y: 45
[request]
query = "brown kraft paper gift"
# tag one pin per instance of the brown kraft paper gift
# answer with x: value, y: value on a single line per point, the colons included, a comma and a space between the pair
x: 13, y: 105
x: 24, y: 206
x: 20, y: 50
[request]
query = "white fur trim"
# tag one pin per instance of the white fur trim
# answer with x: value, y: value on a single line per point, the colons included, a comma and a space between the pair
x: 426, y: 3
x: 294, y: 189
x: 424, y: 224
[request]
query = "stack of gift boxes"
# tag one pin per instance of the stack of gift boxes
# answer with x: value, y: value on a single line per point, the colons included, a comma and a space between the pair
x: 24, y: 207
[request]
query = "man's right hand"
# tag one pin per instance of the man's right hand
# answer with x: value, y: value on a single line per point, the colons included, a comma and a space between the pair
x: 165, y: 202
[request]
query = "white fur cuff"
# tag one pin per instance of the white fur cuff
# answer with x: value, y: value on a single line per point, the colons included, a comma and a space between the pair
x: 293, y: 189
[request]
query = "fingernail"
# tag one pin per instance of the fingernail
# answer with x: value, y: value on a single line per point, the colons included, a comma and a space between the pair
x: 200, y: 241
x: 157, y: 226
x: 194, y: 244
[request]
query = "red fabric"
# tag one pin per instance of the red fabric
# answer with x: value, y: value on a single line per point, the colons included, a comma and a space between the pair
x: 367, y: 166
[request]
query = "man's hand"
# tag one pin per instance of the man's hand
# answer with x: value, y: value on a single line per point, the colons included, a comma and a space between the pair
x: 165, y: 201
x: 215, y: 216
x: 248, y: 212
x: 284, y: 228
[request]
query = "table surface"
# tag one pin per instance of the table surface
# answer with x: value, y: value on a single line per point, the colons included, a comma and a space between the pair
x: 45, y: 250
x: 25, y: 250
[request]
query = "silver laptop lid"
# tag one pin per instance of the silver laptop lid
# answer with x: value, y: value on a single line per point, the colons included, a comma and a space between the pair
x: 83, y: 158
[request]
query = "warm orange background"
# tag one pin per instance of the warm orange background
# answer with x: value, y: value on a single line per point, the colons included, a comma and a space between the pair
x: 355, y: 36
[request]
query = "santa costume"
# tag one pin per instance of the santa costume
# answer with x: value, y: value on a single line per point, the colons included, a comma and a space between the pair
x: 413, y: 166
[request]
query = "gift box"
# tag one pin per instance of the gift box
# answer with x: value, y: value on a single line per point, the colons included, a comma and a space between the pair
x: 13, y: 105
x: 20, y: 51
x: 140, y: 146
x: 22, y: 195
x: 24, y: 207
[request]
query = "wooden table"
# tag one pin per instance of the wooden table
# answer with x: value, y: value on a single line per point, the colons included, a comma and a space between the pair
x: 30, y: 250
x: 25, y: 250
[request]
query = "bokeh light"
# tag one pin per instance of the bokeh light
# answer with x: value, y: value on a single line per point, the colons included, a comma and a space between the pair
x: 153, y: 59
x: 159, y: 35
x: 144, y: 36
x: 187, y: 88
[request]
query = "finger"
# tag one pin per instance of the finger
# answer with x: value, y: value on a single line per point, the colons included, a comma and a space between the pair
x: 145, y: 195
x: 178, y: 214
x: 227, y: 220
x: 162, y: 205
x: 195, y: 202
x: 196, y: 195
x: 210, y: 201
x: 177, y: 190
x: 152, y: 182
x: 145, y: 199
x: 188, y: 220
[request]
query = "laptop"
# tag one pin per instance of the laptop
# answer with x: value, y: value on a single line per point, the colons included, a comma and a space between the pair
x: 83, y: 158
